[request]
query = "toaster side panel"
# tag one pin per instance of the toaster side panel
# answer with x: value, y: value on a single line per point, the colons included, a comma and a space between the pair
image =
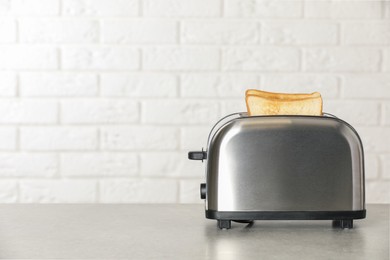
x: 284, y: 163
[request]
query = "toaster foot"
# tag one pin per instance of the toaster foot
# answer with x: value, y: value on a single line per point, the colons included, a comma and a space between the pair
x: 224, y: 224
x: 343, y: 223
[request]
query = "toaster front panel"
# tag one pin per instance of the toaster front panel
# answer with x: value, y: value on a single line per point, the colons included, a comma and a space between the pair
x: 282, y: 164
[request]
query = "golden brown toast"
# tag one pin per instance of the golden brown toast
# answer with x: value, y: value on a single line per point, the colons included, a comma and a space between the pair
x: 282, y: 96
x: 268, y: 103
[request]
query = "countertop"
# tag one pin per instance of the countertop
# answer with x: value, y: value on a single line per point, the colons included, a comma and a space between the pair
x: 125, y: 231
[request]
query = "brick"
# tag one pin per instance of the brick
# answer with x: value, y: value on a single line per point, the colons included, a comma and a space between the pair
x: 28, y: 165
x: 386, y: 60
x: 28, y: 57
x: 184, y: 58
x: 217, y: 85
x: 366, y: 86
x: 263, y: 8
x: 220, y: 32
x: 299, y: 33
x: 98, y: 164
x: 58, y: 31
x: 58, y: 191
x: 139, y: 31
x: 318, y: 9
x: 7, y: 31
x: 385, y: 166
x: 366, y: 33
x: 30, y: 7
x: 138, y: 191
x: 99, y: 111
x: 387, y: 11
x: 344, y: 9
x: 263, y: 59
x: 233, y: 106
x: 354, y: 112
x: 7, y: 138
x: 341, y: 59
x: 179, y: 111
x: 100, y: 58
x: 28, y: 111
x: 386, y: 113
x: 378, y: 192
x: 58, y: 84
x: 181, y: 8
x: 58, y: 138
x: 170, y: 164
x: 101, y: 7
x: 138, y: 85
x: 8, y: 82
x: 189, y: 191
x: 8, y: 191
x: 327, y: 85
x: 139, y: 138
x: 375, y: 139
x: 194, y: 138
x: 371, y: 165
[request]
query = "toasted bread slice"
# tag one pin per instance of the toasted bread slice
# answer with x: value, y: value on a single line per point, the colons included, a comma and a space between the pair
x: 281, y: 96
x: 258, y: 105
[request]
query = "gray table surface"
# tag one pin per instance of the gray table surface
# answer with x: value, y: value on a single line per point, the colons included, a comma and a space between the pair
x: 179, y: 232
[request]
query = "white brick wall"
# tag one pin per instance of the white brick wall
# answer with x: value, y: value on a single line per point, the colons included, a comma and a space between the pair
x: 58, y: 138
x: 100, y: 58
x: 260, y: 59
x: 139, y: 31
x: 202, y: 85
x: 97, y: 164
x: 8, y: 191
x: 263, y: 8
x: 30, y: 7
x: 342, y: 59
x: 366, y: 33
x: 138, y: 85
x: 100, y: 100
x: 28, y: 165
x: 58, y: 191
x: 181, y: 58
x: 100, y: 7
x: 357, y: 10
x: 99, y: 111
x: 181, y: 8
x: 28, y: 111
x: 33, y: 30
x: 40, y: 84
x: 219, y: 32
x: 299, y: 33
x: 8, y: 30
x: 139, y: 138
x: 8, y: 137
x: 386, y: 59
x: 8, y: 82
x: 20, y: 57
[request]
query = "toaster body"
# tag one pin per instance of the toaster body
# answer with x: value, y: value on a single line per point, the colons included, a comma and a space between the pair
x: 283, y: 167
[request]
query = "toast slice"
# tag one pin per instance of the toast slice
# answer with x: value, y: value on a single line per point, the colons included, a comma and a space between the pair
x: 268, y: 103
x: 281, y: 96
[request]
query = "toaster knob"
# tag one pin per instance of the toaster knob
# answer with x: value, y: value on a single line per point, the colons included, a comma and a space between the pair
x: 203, y: 190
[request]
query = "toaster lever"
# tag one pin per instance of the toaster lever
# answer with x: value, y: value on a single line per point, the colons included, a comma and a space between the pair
x: 203, y: 191
x: 197, y: 155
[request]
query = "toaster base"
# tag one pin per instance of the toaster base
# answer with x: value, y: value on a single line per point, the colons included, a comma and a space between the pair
x: 342, y: 219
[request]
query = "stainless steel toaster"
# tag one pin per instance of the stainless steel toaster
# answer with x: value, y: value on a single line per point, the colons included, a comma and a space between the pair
x: 283, y: 168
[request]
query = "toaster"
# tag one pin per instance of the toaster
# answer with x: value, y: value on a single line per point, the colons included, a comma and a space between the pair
x: 283, y: 168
